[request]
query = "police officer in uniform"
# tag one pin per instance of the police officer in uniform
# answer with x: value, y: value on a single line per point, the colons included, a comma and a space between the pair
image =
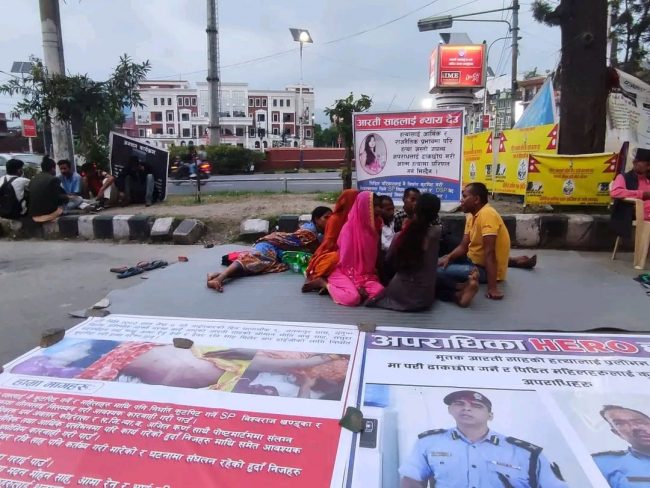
x: 473, y: 456
x: 630, y: 468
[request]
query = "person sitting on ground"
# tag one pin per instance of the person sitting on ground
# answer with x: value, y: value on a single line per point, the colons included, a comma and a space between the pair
x: 633, y: 184
x: 266, y: 256
x: 13, y: 202
x: 485, y: 244
x: 97, y: 184
x: 355, y: 279
x: 46, y: 195
x: 71, y: 183
x: 135, y: 183
x: 326, y: 257
x: 414, y: 254
x: 388, y: 217
x: 410, y: 197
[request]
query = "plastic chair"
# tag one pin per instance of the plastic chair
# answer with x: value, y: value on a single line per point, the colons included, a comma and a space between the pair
x: 641, y: 235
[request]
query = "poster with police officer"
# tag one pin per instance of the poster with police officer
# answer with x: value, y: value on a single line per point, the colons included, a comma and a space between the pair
x: 493, y: 409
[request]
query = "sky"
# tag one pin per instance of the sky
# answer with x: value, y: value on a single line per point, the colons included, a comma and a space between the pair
x: 361, y: 46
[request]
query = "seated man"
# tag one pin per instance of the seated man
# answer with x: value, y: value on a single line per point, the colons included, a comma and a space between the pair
x: 135, y: 182
x: 71, y: 183
x: 388, y: 218
x: 15, y: 206
x: 98, y: 184
x: 410, y: 198
x: 485, y: 244
x: 633, y: 184
x: 46, y: 195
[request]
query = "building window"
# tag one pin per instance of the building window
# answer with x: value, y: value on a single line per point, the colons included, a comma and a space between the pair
x: 288, y: 103
x: 158, y: 131
x: 155, y: 101
x: 263, y: 102
x: 162, y: 101
x: 275, y: 102
x: 257, y: 144
x: 257, y: 102
x: 239, y: 132
x: 170, y: 116
x: 261, y: 118
x: 169, y: 101
x: 250, y: 102
x: 282, y: 103
x: 185, y: 117
x: 156, y: 116
x: 276, y: 118
x: 251, y: 131
x: 308, y: 133
x: 276, y: 131
x: 193, y: 131
x: 193, y: 101
x: 180, y: 101
x: 141, y: 132
x: 186, y: 133
x: 170, y: 130
x: 266, y: 144
x: 186, y: 101
x: 287, y: 118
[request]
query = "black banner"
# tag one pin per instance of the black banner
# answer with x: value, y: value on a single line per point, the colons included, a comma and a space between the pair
x: 122, y: 148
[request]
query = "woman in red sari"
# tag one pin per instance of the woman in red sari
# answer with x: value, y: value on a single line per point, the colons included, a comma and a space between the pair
x: 354, y: 279
x: 326, y: 256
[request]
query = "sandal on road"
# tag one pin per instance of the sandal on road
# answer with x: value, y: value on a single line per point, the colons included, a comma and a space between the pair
x: 149, y: 266
x: 130, y: 272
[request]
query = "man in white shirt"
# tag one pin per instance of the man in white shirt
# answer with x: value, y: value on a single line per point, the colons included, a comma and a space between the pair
x: 388, y: 216
x: 14, y: 176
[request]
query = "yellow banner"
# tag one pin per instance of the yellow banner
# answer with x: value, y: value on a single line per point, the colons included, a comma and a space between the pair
x: 477, y: 158
x: 570, y: 180
x: 515, y: 145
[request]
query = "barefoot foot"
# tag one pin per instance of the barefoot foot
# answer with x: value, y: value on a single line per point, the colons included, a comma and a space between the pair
x: 524, y: 262
x: 314, y: 285
x: 469, y: 291
x: 216, y: 284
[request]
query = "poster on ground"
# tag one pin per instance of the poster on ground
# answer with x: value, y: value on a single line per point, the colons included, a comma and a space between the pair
x: 116, y: 404
x: 122, y: 148
x: 398, y: 150
x: 570, y: 179
x: 514, y: 147
x: 467, y: 408
x: 477, y: 158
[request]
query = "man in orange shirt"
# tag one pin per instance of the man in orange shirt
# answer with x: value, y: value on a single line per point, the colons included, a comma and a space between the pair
x: 485, y: 244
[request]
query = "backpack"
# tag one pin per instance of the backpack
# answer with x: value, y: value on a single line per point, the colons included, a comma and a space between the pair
x: 10, y: 207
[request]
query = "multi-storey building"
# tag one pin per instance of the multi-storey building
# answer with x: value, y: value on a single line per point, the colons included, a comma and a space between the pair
x: 176, y: 112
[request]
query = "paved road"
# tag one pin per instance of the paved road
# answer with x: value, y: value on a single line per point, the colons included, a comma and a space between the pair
x: 40, y: 282
x: 296, y: 183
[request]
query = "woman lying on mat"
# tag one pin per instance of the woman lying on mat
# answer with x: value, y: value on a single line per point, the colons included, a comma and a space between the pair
x: 266, y: 256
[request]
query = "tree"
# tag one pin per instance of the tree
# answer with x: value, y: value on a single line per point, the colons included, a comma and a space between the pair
x: 582, y: 72
x: 93, y: 108
x: 340, y: 115
x: 327, y: 137
x: 630, y: 34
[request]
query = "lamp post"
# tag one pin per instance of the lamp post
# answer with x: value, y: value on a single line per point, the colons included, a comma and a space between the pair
x: 487, y: 62
x: 301, y: 36
x: 446, y: 21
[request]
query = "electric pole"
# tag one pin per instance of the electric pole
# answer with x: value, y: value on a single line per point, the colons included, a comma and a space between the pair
x: 55, y: 65
x: 214, y: 129
x: 515, y: 55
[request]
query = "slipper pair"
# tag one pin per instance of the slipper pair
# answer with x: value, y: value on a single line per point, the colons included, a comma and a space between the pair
x: 141, y: 267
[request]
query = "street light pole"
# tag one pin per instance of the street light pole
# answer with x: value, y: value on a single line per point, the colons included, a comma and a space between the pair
x: 301, y: 36
x: 515, y: 55
x: 487, y: 63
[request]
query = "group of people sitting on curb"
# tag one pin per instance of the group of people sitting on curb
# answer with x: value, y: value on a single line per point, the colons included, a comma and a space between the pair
x: 47, y: 196
x: 366, y: 254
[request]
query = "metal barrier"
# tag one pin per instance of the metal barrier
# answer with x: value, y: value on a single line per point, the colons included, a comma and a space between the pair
x: 284, y: 179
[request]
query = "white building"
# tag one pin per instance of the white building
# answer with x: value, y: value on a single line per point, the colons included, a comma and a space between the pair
x: 176, y: 112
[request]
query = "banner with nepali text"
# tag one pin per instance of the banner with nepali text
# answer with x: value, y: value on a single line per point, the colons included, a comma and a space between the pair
x: 515, y: 145
x: 477, y: 158
x: 570, y: 179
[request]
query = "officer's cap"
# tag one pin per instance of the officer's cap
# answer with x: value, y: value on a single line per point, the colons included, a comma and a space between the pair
x: 468, y: 395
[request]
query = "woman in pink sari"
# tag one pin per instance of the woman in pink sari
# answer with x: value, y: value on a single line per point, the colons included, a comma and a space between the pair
x: 354, y: 279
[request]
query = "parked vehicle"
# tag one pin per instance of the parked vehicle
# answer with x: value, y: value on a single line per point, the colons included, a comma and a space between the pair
x: 31, y: 160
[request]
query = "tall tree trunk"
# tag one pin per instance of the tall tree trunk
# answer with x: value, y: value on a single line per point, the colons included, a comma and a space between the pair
x: 583, y: 76
x: 347, y: 174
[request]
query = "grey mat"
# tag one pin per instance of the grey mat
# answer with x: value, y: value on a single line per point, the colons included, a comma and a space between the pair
x: 568, y: 291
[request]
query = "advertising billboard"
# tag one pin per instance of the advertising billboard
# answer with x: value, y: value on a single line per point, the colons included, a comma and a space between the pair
x: 457, y: 66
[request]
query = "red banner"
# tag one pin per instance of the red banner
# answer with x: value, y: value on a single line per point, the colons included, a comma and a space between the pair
x: 84, y: 441
x: 29, y: 128
x: 408, y: 120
